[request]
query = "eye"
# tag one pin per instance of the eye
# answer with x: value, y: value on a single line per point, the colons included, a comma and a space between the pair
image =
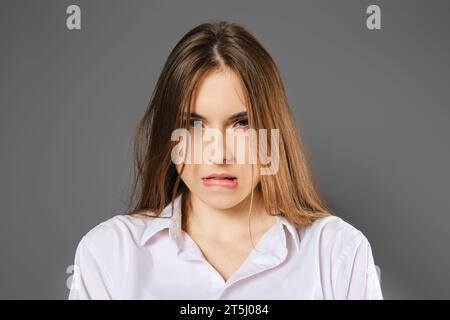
x: 193, y: 121
x: 243, y: 123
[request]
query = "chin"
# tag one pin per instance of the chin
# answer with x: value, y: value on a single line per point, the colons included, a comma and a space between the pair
x: 222, y: 200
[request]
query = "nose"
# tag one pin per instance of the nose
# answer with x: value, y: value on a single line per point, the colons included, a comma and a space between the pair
x: 217, y: 151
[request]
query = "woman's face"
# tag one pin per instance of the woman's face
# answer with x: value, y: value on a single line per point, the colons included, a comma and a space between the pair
x: 219, y: 105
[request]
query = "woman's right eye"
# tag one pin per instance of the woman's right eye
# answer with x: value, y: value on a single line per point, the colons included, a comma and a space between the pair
x: 193, y: 122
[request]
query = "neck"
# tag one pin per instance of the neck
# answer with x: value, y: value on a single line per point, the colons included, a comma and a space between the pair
x: 229, y: 224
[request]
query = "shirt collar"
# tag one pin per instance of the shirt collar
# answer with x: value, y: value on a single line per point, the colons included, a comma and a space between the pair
x: 173, y: 223
x: 166, y: 220
x: 291, y: 229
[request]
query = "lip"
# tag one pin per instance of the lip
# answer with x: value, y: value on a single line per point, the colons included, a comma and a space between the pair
x: 220, y: 175
x: 220, y: 180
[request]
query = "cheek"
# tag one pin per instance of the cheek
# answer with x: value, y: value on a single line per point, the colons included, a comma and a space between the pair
x: 245, y: 149
x: 188, y: 175
x: 184, y: 150
x: 256, y: 175
x: 245, y: 174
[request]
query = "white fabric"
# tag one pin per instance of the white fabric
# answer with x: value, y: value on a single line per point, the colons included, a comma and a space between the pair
x: 128, y: 257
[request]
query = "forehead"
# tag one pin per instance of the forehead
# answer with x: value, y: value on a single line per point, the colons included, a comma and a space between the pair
x: 219, y: 94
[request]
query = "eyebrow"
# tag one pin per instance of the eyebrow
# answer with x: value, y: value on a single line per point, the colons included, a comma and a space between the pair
x: 232, y: 117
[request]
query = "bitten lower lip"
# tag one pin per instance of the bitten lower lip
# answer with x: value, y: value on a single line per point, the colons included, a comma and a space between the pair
x: 225, y: 183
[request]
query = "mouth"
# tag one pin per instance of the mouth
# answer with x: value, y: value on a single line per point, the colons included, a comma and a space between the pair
x: 221, y: 180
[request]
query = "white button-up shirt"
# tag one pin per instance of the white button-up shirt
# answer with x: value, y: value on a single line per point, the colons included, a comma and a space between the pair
x: 129, y: 257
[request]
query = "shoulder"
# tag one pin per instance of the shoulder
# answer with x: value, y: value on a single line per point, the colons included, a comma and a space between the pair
x: 345, y: 259
x: 110, y: 242
x: 333, y: 235
x: 115, y: 230
x: 103, y: 255
x: 332, y: 226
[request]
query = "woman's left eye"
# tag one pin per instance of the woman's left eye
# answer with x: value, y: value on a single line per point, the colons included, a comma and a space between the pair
x: 242, y: 123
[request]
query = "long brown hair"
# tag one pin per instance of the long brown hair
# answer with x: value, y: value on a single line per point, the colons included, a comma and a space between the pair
x: 210, y: 46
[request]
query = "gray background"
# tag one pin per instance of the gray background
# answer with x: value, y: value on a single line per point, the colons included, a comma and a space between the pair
x: 372, y: 106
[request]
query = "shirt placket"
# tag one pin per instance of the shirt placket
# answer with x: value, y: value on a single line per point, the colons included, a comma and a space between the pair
x: 270, y: 253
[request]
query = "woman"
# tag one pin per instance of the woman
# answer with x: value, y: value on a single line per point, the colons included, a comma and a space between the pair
x: 219, y: 228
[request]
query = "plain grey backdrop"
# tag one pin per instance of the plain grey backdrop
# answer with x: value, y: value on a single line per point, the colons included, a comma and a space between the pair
x: 372, y: 107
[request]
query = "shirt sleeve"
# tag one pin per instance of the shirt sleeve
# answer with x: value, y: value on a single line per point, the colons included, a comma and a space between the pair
x: 356, y: 276
x: 89, y: 280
